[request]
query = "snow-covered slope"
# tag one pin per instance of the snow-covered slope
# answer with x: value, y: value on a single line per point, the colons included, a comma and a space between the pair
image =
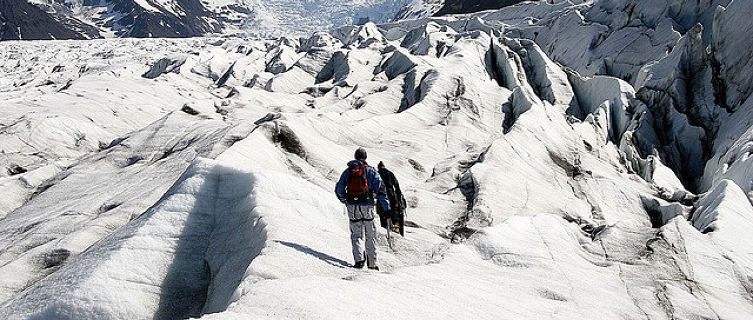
x: 545, y: 178
x: 419, y: 9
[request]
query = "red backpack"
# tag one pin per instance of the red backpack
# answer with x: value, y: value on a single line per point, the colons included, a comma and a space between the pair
x: 357, y: 190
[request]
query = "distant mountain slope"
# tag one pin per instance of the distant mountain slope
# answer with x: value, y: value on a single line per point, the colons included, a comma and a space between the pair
x: 468, y: 6
x: 171, y: 19
x: 83, y: 19
x: 88, y: 19
x: 22, y: 20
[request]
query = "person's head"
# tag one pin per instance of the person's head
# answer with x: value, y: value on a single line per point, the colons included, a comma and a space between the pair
x: 380, y: 165
x: 360, y: 154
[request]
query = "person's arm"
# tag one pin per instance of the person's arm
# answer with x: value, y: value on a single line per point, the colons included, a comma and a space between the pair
x: 398, y: 193
x: 340, y: 186
x: 395, y: 183
x: 375, y: 182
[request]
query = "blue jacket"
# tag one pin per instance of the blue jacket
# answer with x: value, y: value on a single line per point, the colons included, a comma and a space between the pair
x: 372, y: 178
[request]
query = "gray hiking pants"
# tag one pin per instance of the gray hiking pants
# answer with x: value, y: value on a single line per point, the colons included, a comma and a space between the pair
x: 362, y: 221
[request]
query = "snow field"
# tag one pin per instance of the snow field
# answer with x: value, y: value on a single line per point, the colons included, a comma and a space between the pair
x: 162, y: 262
x: 530, y: 190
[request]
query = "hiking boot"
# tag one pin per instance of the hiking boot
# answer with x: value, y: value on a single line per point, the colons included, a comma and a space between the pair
x: 359, y: 264
x: 375, y: 268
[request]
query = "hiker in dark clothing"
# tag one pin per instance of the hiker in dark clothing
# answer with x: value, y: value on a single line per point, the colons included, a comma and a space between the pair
x: 396, y: 215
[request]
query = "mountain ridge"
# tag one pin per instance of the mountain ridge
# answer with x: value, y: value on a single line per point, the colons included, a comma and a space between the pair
x: 127, y: 18
x: 85, y: 19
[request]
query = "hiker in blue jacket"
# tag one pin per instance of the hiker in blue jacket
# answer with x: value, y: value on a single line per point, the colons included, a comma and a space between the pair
x: 357, y: 188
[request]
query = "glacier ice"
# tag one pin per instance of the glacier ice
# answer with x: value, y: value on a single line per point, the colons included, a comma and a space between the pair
x: 558, y: 161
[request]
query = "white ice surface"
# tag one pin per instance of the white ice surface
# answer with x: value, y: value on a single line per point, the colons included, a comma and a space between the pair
x: 517, y: 208
x: 296, y: 18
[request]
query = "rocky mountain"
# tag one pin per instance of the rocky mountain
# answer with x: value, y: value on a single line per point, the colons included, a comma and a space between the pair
x: 120, y: 18
x: 469, y: 6
x: 22, y: 20
x: 87, y: 19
